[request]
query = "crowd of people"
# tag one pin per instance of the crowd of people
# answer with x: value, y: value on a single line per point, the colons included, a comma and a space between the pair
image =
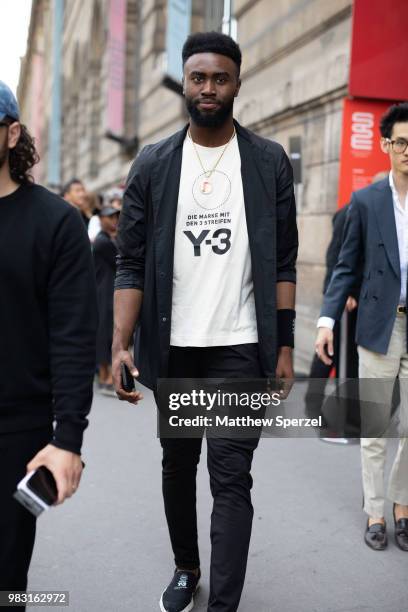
x: 100, y: 214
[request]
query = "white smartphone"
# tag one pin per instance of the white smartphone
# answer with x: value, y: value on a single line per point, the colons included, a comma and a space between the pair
x: 37, y: 491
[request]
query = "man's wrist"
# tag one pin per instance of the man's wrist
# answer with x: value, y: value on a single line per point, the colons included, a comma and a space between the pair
x: 326, y: 322
x: 286, y: 327
x: 118, y: 344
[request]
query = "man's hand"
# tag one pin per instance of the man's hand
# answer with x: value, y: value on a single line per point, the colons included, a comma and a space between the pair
x: 66, y: 467
x: 324, y: 339
x: 125, y: 357
x: 284, y: 370
x: 351, y: 304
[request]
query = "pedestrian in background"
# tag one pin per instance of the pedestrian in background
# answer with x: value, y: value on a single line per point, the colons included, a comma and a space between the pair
x: 75, y: 193
x: 114, y: 199
x: 47, y: 340
x: 349, y: 422
x: 104, y: 252
x: 376, y: 230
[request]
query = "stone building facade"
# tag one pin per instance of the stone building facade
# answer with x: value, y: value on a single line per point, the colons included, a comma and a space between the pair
x: 294, y: 78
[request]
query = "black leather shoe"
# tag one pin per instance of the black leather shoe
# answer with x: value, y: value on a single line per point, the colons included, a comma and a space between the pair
x: 376, y: 536
x: 401, y: 531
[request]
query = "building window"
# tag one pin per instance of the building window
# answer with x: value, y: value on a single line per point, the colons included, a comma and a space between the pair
x: 214, y: 11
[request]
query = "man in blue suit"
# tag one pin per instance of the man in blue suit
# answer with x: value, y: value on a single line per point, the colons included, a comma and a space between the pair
x: 377, y: 230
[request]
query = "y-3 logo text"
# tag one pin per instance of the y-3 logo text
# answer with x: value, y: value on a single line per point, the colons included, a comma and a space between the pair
x: 221, y: 235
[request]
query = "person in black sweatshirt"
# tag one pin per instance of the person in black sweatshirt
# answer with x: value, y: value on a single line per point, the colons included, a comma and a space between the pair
x: 47, y: 339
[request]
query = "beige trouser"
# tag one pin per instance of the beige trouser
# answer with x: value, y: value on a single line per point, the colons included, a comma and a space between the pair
x: 376, y: 398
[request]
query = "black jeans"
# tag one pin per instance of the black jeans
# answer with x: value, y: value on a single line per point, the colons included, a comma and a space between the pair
x: 229, y: 464
x: 17, y: 525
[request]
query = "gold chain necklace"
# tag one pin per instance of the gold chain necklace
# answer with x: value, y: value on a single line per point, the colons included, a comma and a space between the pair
x: 206, y: 185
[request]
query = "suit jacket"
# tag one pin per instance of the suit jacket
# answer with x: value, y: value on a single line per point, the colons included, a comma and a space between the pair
x: 333, y: 252
x: 370, y: 232
x: 146, y: 241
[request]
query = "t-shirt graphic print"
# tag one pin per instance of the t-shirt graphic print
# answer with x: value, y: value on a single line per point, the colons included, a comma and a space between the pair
x: 213, y: 299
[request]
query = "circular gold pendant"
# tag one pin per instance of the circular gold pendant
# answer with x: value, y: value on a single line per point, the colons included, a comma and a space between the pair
x: 206, y: 187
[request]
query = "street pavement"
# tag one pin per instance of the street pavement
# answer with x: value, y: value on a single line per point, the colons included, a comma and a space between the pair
x: 109, y: 546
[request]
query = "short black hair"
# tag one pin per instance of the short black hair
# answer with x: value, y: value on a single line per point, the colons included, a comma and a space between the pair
x: 212, y: 42
x: 68, y: 185
x: 395, y: 114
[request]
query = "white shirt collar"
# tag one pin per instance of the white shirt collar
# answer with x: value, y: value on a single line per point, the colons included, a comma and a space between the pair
x: 395, y: 195
x: 391, y: 181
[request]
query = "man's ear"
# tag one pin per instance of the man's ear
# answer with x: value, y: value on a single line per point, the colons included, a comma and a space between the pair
x: 14, y: 133
x: 385, y: 146
x: 237, y: 88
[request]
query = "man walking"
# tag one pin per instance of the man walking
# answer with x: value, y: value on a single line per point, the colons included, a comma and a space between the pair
x: 47, y: 341
x: 207, y: 249
x: 376, y: 230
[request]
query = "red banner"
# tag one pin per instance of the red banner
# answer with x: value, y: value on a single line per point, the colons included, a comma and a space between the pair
x: 379, y: 50
x: 361, y: 157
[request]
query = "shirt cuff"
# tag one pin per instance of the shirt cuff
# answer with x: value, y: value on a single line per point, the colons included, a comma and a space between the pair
x: 68, y: 436
x: 326, y: 322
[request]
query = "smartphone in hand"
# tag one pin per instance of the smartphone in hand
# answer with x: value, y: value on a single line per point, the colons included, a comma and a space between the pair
x: 37, y: 491
x: 127, y: 380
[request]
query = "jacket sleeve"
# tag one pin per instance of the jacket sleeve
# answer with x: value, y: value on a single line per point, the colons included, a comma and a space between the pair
x: 131, y: 239
x: 333, y: 250
x: 347, y: 271
x: 286, y: 227
x: 72, y: 324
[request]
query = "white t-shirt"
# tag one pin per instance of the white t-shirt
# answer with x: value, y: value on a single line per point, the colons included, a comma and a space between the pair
x: 94, y: 227
x: 213, y: 298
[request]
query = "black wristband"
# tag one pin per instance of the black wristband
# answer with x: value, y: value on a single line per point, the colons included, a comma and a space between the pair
x: 286, y: 327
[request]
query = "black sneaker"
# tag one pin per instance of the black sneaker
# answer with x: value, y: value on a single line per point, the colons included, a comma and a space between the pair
x: 178, y: 597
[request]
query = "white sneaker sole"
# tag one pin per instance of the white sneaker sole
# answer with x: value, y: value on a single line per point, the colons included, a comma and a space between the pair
x: 189, y: 607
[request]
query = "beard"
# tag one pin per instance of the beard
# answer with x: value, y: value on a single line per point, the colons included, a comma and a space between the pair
x: 210, y: 119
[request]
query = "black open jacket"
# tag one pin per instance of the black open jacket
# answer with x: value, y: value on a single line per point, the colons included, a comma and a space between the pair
x: 146, y: 241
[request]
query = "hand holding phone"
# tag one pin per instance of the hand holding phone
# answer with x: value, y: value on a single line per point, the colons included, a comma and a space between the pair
x: 37, y: 491
x: 65, y: 466
x: 127, y: 380
x: 124, y: 373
